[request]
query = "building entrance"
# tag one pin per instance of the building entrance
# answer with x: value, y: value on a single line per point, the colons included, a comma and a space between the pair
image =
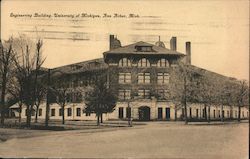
x: 144, y: 113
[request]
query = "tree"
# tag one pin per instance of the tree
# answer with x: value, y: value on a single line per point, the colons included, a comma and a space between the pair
x: 27, y: 64
x: 40, y: 96
x: 180, y: 88
x: 60, y: 90
x: 6, y: 64
x: 100, y: 99
x: 241, y: 93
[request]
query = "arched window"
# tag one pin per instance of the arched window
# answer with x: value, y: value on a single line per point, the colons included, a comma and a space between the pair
x: 143, y: 63
x: 124, y: 62
x: 162, y: 63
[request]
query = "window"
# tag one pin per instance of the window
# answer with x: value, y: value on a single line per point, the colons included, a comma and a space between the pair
x: 242, y: 114
x: 124, y: 77
x: 162, y: 78
x: 203, y: 113
x: 228, y: 114
x: 219, y: 113
x: 159, y: 113
x: 40, y: 112
x: 144, y: 77
x: 88, y: 114
x: 163, y: 94
x: 236, y: 113
x: 69, y: 111
x: 78, y: 111
x: 214, y: 114
x: 190, y: 112
x: 143, y: 63
x: 60, y: 112
x: 128, y: 112
x: 167, y: 113
x: 143, y: 48
x: 53, y: 112
x: 144, y: 93
x: 197, y: 113
x: 124, y: 62
x: 162, y: 63
x: 124, y: 94
x: 121, y: 112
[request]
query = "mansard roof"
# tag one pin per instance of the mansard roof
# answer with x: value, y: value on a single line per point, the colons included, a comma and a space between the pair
x: 131, y: 49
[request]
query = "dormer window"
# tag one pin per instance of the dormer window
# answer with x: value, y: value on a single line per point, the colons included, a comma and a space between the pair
x: 143, y: 48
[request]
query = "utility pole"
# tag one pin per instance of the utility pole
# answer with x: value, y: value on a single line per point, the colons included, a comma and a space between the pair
x: 47, y: 101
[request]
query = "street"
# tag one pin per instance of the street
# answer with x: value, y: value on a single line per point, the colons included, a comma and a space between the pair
x: 154, y: 140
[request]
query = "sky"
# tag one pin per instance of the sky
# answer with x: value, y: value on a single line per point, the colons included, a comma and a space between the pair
x: 218, y: 29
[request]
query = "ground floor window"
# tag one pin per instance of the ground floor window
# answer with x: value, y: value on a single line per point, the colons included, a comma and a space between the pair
x: 190, y: 112
x: 167, y: 113
x: 236, y: 113
x: 242, y: 114
x: 219, y: 113
x: 121, y: 112
x: 40, y: 112
x: 128, y: 112
x: 52, y: 112
x: 197, y: 113
x: 159, y: 113
x: 69, y: 111
x: 214, y: 114
x: 223, y: 114
x: 78, y: 111
x: 60, y: 112
x: 228, y: 113
x: 203, y: 113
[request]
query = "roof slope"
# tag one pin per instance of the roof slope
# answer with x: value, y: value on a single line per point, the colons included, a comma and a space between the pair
x: 90, y: 65
x: 130, y: 49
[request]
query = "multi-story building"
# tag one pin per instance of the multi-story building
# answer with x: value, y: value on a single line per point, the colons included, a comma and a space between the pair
x: 141, y: 75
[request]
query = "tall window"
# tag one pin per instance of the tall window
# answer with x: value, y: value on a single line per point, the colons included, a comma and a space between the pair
x: 143, y: 63
x: 236, y: 113
x: 144, y: 77
x: 69, y: 111
x: 124, y: 94
x: 40, y: 112
x: 124, y: 62
x: 124, y: 77
x: 53, y: 112
x: 163, y: 63
x: 120, y: 115
x: 78, y: 111
x: 60, y: 112
x: 162, y: 78
x: 144, y: 93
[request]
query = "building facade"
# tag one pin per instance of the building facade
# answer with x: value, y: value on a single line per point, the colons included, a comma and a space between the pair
x: 141, y: 75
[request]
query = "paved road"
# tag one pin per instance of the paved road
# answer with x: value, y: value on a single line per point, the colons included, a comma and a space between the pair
x: 155, y: 140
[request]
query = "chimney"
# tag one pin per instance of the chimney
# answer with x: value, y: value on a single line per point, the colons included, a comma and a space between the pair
x: 188, y: 53
x: 173, y: 45
x: 114, y: 42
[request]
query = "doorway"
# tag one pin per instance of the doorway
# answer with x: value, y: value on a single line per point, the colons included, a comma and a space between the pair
x: 144, y: 113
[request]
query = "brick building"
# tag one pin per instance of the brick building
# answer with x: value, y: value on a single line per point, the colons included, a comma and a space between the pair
x: 141, y: 74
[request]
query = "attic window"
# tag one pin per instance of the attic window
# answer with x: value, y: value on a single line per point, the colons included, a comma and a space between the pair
x: 143, y: 48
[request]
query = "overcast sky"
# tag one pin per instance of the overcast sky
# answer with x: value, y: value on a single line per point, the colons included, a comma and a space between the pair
x: 218, y: 29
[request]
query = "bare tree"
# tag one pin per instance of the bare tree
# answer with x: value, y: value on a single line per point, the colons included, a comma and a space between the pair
x: 6, y: 60
x: 28, y: 63
x: 179, y: 88
x: 241, y: 96
x: 101, y: 99
x: 60, y: 90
